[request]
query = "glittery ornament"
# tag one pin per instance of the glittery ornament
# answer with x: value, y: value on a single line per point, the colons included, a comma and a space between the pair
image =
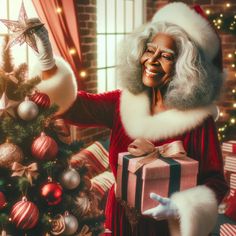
x: 24, y: 214
x: 70, y: 179
x: 44, y: 148
x: 51, y: 192
x: 71, y: 224
x: 27, y: 110
x: 41, y: 99
x: 58, y: 225
x: 2, y: 200
x: 9, y: 153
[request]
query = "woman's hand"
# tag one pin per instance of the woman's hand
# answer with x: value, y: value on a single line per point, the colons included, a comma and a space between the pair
x: 165, y: 210
x: 45, y: 54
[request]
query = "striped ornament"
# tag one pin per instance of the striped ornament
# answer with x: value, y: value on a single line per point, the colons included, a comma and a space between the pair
x: 44, y: 148
x: 24, y: 214
x: 41, y: 99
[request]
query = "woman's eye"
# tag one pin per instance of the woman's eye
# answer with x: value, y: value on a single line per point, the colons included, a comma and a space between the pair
x: 167, y: 57
x: 149, y: 50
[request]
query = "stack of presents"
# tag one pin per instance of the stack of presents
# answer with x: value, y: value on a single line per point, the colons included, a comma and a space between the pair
x: 228, y: 218
x: 137, y: 176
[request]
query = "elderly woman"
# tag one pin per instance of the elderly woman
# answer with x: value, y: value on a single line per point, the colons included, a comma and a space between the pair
x: 170, y: 72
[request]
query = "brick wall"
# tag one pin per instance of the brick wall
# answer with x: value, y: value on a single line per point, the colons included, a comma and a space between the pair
x: 87, y: 24
x: 87, y: 21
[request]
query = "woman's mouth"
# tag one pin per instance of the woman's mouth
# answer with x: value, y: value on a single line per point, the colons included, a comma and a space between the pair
x: 151, y: 74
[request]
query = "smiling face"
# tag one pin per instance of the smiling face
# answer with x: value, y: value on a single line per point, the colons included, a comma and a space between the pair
x: 158, y: 61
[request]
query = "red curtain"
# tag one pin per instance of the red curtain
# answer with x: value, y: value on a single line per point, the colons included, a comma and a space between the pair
x: 60, y: 18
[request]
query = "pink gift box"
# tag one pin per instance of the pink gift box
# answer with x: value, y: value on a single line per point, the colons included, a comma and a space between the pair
x: 227, y: 230
x: 156, y: 176
x: 229, y: 146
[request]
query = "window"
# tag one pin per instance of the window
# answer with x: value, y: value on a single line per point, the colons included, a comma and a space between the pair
x: 115, y: 19
x: 10, y: 10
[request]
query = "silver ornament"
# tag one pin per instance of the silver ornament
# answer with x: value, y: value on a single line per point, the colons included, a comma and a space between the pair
x: 70, y: 179
x: 27, y: 110
x: 71, y: 224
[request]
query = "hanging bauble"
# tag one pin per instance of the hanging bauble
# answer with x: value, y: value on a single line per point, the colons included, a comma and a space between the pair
x: 57, y: 225
x: 3, y: 202
x: 41, y: 99
x: 44, y: 148
x: 71, y: 224
x: 27, y: 110
x: 24, y: 214
x: 70, y: 179
x: 52, y: 192
x: 9, y: 153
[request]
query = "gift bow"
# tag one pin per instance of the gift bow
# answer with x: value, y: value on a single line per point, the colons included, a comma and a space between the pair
x: 85, y: 231
x: 29, y: 171
x: 148, y: 152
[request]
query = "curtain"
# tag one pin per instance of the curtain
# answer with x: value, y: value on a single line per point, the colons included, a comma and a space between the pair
x: 60, y: 18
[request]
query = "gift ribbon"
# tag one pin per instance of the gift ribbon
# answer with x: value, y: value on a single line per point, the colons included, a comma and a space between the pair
x: 85, y: 231
x: 165, y: 152
x: 29, y: 171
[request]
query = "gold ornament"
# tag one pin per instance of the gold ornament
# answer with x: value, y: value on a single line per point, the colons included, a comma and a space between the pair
x: 58, y: 225
x: 9, y: 153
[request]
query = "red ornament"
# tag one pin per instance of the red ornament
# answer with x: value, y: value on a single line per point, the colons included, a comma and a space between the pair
x: 2, y: 200
x: 41, y: 99
x: 44, y: 148
x: 52, y: 193
x: 24, y: 214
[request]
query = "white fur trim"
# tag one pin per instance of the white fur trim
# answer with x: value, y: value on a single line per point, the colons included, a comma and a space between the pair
x: 197, y: 27
x: 139, y: 123
x: 197, y: 208
x: 61, y: 87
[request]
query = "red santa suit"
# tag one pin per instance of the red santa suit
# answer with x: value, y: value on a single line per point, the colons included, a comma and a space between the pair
x: 128, y: 116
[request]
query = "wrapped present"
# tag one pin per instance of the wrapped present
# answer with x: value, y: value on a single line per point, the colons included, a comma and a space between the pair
x: 156, y: 172
x: 230, y: 163
x: 227, y: 230
x: 229, y: 146
x: 233, y: 181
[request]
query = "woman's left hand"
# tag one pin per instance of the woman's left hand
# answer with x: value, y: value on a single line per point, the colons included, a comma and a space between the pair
x: 165, y: 210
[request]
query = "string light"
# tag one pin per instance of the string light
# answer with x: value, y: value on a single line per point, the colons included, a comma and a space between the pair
x: 228, y: 5
x: 72, y: 51
x: 221, y: 114
x: 208, y: 12
x: 230, y: 55
x: 219, y: 21
x: 234, y: 105
x: 232, y: 120
x: 58, y: 10
x: 83, y: 74
x: 233, y: 65
x: 221, y: 15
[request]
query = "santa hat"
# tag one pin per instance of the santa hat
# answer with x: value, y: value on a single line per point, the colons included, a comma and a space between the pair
x: 195, y: 24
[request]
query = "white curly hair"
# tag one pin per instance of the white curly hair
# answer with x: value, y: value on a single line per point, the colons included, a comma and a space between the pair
x: 196, y: 80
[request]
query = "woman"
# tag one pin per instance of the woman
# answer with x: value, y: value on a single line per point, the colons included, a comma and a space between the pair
x: 170, y: 73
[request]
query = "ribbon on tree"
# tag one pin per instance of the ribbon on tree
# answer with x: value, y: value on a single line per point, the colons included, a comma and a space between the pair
x: 85, y: 231
x: 29, y: 171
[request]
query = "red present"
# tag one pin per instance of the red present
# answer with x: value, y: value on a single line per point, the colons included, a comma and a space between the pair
x: 229, y: 146
x: 233, y: 181
x: 137, y: 177
x: 230, y: 163
x: 227, y: 230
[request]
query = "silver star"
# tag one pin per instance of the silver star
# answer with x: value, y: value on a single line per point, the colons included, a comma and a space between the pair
x: 22, y: 29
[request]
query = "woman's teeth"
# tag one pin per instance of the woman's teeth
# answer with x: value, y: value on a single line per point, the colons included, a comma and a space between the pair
x: 148, y: 72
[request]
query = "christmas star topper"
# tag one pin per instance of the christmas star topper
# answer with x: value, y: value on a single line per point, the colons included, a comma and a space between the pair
x: 22, y: 29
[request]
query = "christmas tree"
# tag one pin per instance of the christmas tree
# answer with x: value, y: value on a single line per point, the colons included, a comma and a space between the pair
x: 40, y: 192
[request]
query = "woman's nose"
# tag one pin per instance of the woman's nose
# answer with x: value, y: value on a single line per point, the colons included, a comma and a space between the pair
x: 154, y: 59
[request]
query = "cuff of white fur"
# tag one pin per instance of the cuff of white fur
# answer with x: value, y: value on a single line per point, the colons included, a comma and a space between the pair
x: 61, y: 87
x: 197, y: 208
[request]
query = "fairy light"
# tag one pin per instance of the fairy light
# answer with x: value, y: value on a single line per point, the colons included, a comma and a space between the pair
x: 83, y: 74
x: 233, y: 91
x: 234, y: 105
x: 72, y: 51
x: 221, y: 15
x: 208, y: 12
x: 232, y: 120
x: 230, y: 55
x: 221, y: 114
x: 219, y: 21
x: 58, y: 10
x: 228, y: 4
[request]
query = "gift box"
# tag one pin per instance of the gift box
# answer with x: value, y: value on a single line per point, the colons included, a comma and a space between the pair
x: 227, y: 230
x: 230, y: 163
x: 233, y: 181
x: 229, y: 146
x: 137, y: 177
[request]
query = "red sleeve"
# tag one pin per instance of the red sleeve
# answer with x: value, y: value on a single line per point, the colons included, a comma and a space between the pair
x: 202, y: 144
x: 93, y: 109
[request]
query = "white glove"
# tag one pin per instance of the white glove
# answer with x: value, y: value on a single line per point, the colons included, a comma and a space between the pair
x: 45, y: 54
x: 165, y: 210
